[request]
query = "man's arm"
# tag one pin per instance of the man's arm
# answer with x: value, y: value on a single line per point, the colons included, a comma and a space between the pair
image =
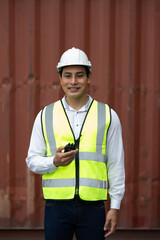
x: 116, y: 173
x: 36, y: 159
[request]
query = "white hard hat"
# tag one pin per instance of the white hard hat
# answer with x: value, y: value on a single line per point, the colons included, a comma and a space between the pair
x: 74, y: 56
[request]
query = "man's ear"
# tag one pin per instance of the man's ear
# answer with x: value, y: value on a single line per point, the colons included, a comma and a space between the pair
x: 89, y: 78
x: 60, y: 79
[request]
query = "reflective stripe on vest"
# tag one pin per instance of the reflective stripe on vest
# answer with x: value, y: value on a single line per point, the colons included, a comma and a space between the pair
x: 48, y: 129
x: 92, y: 153
x: 71, y: 183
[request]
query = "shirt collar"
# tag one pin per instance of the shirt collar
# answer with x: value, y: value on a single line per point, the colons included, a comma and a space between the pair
x: 83, y: 109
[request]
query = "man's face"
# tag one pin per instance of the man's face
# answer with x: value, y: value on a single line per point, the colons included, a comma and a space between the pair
x: 74, y: 81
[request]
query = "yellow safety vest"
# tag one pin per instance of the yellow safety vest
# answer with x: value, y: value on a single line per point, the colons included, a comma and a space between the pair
x: 86, y: 175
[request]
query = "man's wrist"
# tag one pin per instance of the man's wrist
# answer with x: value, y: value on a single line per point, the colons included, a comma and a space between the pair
x: 54, y: 164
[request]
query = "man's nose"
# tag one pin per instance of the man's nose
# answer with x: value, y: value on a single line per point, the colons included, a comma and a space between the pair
x: 73, y: 80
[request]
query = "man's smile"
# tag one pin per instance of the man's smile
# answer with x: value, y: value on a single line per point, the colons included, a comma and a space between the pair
x: 73, y: 89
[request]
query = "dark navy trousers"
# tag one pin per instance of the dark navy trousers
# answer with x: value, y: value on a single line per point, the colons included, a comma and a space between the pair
x: 64, y: 218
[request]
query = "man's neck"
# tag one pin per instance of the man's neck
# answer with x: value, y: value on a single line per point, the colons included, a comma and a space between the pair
x: 77, y: 103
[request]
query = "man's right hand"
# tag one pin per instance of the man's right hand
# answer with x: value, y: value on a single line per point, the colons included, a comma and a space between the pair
x: 64, y: 158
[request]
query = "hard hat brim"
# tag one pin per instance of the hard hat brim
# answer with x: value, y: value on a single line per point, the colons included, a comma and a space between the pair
x: 74, y: 64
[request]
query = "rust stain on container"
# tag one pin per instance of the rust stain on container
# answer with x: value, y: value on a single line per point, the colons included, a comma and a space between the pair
x: 123, y: 44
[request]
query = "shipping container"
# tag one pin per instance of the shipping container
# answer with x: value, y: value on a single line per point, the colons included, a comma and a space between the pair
x: 122, y: 40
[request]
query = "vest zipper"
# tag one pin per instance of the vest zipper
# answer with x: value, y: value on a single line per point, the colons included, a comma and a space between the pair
x: 77, y: 167
x: 77, y: 147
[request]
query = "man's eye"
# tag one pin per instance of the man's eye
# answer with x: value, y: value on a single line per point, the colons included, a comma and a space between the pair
x: 67, y: 76
x: 80, y: 75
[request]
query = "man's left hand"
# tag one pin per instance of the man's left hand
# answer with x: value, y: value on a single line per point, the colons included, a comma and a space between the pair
x: 111, y: 222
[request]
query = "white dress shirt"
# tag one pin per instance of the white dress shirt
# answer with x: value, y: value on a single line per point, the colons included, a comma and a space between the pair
x: 39, y: 163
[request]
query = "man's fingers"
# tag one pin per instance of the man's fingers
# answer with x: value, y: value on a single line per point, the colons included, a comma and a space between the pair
x: 110, y: 230
x: 111, y: 222
x: 69, y: 156
x: 106, y: 225
x: 58, y: 150
x: 64, y: 158
x: 70, y: 153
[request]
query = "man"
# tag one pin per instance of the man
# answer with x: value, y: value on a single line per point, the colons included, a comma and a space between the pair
x: 75, y: 180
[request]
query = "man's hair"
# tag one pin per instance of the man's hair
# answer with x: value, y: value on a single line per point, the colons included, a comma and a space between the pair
x: 87, y: 71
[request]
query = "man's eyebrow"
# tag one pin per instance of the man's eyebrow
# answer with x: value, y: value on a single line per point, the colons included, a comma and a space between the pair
x: 71, y: 73
x: 79, y: 72
x: 67, y: 72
